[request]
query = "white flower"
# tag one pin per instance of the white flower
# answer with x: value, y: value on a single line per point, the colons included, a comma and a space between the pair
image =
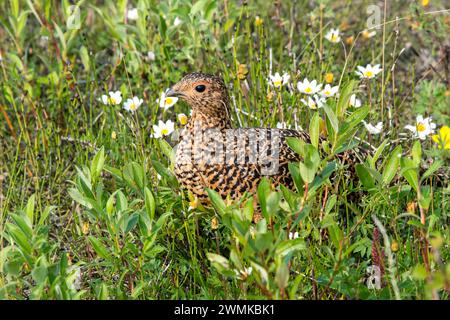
x: 355, y: 102
x: 373, y: 129
x: 281, y: 125
x: 313, y: 102
x: 293, y: 235
x: 177, y: 22
x: 278, y: 81
x: 308, y: 87
x: 423, y: 127
x: 166, y: 102
x: 151, y: 56
x: 333, y: 36
x: 163, y: 129
x: 329, y: 91
x: 368, y: 72
x: 182, y: 118
x: 114, y: 98
x: 366, y: 34
x: 133, y: 14
x: 132, y: 104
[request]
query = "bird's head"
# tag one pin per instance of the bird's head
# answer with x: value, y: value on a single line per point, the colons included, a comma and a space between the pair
x: 205, y: 93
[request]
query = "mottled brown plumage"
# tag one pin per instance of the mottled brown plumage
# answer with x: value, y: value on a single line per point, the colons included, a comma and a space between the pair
x: 208, y: 127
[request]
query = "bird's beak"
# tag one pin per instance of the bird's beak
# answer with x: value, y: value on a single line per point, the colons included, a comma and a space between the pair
x: 173, y: 93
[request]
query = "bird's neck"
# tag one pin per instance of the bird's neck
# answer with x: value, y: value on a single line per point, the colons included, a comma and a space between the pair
x: 205, y: 120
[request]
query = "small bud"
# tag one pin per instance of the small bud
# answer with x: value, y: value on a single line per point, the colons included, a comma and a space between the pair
x: 329, y: 77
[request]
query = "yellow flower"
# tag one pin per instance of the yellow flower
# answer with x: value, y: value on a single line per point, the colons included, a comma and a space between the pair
x: 85, y: 227
x: 349, y: 40
x: 258, y: 21
x: 182, y: 118
x: 394, y: 246
x: 214, y: 223
x: 425, y: 3
x: 242, y: 71
x: 329, y: 77
x: 411, y: 207
x: 367, y: 35
x: 113, y: 135
x: 443, y: 138
x: 193, y: 204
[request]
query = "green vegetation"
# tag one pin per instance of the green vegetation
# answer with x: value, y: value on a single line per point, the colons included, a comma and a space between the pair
x: 89, y: 206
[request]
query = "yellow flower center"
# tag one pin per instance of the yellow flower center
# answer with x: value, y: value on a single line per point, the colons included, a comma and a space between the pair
x: 327, y: 93
x: 277, y: 83
x: 368, y: 74
x: 111, y: 100
x: 133, y: 107
x: 333, y: 37
x: 169, y: 100
x: 308, y: 90
x: 183, y: 119
x: 420, y: 127
x: 164, y: 131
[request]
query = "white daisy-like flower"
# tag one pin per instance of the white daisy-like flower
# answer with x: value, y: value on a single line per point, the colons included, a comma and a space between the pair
x: 373, y: 129
x: 329, y: 91
x: 423, y: 127
x: 333, y: 36
x: 355, y: 102
x: 113, y: 98
x: 182, y: 118
x: 293, y: 235
x: 133, y: 104
x: 133, y: 14
x: 277, y: 81
x: 177, y: 22
x: 163, y: 129
x: 368, y: 72
x: 151, y: 56
x: 308, y: 87
x: 313, y: 102
x: 166, y: 102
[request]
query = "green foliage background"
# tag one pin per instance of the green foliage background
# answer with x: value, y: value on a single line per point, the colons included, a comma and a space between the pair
x: 83, y: 214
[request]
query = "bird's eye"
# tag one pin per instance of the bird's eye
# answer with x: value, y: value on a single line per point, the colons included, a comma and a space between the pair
x: 200, y: 88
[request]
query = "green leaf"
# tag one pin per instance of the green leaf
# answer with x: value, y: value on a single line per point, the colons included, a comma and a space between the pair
x: 217, y: 201
x: 436, y: 165
x: 314, y: 129
x: 416, y: 153
x: 263, y: 192
x: 296, y: 144
x: 391, y: 166
x: 331, y: 117
x: 409, y: 171
x: 288, y: 246
x: 97, y: 164
x: 30, y: 208
x: 294, y: 170
x: 282, y: 275
x: 378, y: 153
x: 344, y: 98
x: 99, y: 247
x: 364, y: 176
x: 309, y: 167
x: 150, y: 205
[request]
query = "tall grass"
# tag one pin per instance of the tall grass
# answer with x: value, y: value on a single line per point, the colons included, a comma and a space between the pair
x: 89, y: 207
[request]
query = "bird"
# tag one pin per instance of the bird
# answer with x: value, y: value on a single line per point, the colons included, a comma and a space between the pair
x: 231, y: 161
